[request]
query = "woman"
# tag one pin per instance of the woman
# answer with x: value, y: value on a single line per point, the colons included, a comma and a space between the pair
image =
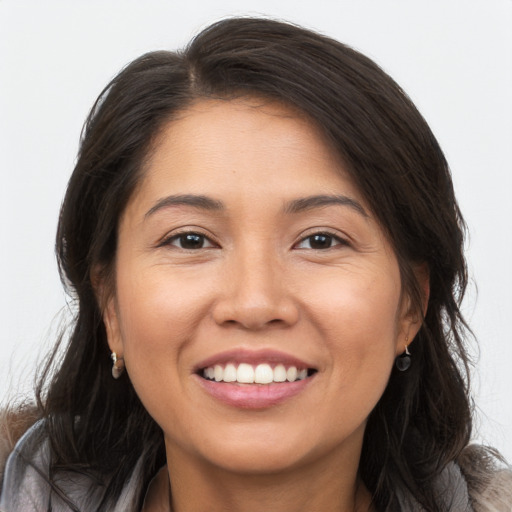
x: 266, y: 252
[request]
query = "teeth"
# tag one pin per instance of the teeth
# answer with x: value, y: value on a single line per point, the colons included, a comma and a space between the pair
x: 218, y: 372
x: 302, y: 374
x: 279, y: 373
x: 230, y: 373
x: 247, y: 374
x: 263, y: 374
x: 291, y: 374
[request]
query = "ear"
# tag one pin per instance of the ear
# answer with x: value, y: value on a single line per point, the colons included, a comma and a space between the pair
x: 422, y: 275
x: 105, y: 296
x: 112, y: 327
x: 411, y: 316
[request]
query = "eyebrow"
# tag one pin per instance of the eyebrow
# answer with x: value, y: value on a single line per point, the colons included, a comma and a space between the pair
x: 318, y: 201
x: 195, y: 201
x: 302, y: 204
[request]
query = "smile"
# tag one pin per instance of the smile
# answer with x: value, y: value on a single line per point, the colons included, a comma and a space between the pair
x: 263, y: 373
x: 247, y: 379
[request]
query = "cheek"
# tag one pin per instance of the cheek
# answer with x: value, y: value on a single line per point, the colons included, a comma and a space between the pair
x: 159, y: 314
x: 357, y: 316
x: 158, y: 317
x: 158, y: 306
x: 360, y: 305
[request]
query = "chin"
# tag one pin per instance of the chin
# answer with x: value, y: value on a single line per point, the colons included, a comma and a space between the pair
x: 267, y: 451
x: 257, y: 460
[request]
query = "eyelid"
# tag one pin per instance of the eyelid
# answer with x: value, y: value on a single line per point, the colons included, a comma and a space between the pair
x: 342, y: 240
x: 190, y: 230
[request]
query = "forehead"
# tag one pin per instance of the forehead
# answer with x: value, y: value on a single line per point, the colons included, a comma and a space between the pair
x: 249, y: 147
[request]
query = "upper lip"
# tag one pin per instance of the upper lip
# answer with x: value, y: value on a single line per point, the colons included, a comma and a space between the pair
x: 255, y: 357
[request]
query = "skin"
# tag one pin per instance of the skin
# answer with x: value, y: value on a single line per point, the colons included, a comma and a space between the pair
x: 256, y: 283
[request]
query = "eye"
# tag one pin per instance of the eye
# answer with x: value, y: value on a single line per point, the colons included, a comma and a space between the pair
x: 319, y: 241
x: 189, y: 241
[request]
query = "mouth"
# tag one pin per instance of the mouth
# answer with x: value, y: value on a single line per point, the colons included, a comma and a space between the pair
x: 254, y: 379
x: 262, y: 373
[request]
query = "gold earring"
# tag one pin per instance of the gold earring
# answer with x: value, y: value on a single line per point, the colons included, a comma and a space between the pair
x: 117, y: 365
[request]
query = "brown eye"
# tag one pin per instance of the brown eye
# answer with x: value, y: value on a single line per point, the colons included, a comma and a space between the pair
x: 190, y: 241
x: 320, y: 241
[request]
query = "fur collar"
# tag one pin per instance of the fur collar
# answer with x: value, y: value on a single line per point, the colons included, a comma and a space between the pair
x: 489, y: 479
x: 13, y: 424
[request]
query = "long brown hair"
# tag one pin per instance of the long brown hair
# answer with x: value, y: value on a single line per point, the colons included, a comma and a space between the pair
x: 423, y: 420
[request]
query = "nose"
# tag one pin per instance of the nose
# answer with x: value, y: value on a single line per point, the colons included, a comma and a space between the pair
x: 255, y: 294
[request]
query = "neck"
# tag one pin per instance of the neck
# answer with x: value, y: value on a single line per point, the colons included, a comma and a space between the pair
x: 331, y: 485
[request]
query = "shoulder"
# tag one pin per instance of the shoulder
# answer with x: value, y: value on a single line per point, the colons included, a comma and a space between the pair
x: 488, y: 477
x: 25, y: 484
x: 13, y: 424
x: 478, y: 481
x: 29, y: 483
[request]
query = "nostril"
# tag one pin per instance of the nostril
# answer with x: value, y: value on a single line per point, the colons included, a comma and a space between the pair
x: 255, y: 310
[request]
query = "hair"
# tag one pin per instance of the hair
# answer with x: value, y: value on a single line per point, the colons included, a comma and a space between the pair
x: 423, y: 420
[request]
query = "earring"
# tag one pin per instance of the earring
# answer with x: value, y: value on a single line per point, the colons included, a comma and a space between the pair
x: 403, y: 361
x: 117, y: 365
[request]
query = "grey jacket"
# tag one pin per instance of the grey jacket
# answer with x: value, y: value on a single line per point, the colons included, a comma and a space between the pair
x: 25, y: 485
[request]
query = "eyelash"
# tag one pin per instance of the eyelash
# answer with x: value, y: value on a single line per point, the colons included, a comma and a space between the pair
x: 333, y: 238
x: 202, y: 239
x: 176, y: 238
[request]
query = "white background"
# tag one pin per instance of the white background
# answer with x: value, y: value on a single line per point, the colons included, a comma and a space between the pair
x: 454, y: 58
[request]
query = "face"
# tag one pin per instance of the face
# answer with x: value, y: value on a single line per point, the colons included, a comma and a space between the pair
x: 247, y: 254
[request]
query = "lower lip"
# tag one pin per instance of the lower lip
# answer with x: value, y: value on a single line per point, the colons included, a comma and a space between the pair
x: 254, y: 396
